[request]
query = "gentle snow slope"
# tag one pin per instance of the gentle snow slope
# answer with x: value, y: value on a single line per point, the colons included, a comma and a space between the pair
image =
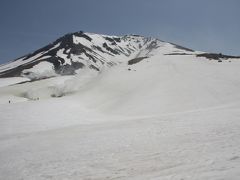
x: 166, y: 117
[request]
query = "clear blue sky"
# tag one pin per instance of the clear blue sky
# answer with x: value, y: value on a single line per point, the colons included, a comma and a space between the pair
x: 207, y: 25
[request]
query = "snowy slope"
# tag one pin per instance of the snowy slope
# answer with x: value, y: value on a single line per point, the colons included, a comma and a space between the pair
x: 161, y: 112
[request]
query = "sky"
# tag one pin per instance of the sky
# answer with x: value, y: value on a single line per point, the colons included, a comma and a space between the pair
x: 205, y: 25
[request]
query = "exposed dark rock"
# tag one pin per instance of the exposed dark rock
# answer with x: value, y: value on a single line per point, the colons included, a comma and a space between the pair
x: 56, y: 61
x: 111, y: 63
x: 117, y: 39
x: 77, y: 49
x: 216, y: 56
x: 46, y: 48
x: 178, y: 54
x: 135, y: 60
x: 57, y: 95
x: 129, y: 52
x: 94, y: 67
x: 112, y: 40
x: 99, y: 48
x: 90, y: 57
x: 77, y: 65
x: 109, y: 39
x: 110, y: 49
x: 152, y: 45
x: 81, y: 34
x: 182, y: 48
x: 114, y: 43
x: 136, y: 35
x: 69, y: 69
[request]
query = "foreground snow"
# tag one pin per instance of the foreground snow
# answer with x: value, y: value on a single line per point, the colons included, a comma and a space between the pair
x: 166, y: 118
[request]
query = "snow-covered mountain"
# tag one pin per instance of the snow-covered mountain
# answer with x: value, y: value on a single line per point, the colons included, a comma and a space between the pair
x: 125, y: 107
x: 85, y: 50
x: 75, y: 51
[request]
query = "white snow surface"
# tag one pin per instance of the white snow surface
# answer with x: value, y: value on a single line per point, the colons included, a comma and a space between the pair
x: 41, y: 70
x: 11, y: 81
x: 166, y: 117
x: 20, y: 61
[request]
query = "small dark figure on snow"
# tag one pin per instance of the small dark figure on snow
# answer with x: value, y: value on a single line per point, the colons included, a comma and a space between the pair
x: 9, y: 101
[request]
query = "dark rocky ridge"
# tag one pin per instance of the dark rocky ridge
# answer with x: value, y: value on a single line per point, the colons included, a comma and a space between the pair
x: 216, y: 56
x: 136, y: 60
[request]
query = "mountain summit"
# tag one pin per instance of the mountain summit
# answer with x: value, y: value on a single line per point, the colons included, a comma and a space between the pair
x: 79, y: 50
x: 75, y: 51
